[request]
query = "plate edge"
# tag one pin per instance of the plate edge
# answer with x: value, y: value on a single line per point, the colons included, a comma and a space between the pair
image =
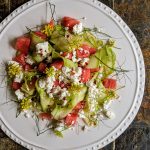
x: 141, y: 68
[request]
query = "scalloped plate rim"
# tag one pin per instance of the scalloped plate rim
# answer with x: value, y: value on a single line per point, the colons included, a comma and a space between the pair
x: 136, y: 104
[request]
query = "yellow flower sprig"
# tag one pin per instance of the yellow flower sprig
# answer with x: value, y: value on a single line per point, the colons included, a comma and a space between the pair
x: 50, y: 71
x: 25, y: 104
x: 13, y: 70
x: 48, y: 29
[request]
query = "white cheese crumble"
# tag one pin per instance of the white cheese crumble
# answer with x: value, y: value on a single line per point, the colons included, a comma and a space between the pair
x: 78, y: 28
x: 81, y: 114
x: 67, y: 56
x: 100, y: 75
x: 64, y: 93
x: 56, y: 90
x: 18, y: 78
x: 50, y: 95
x: 29, y: 60
x: 65, y: 102
x: 61, y: 78
x: 78, y: 71
x: 110, y: 114
x: 107, y: 105
x: 74, y: 56
x: 42, y: 83
x: 93, y: 92
x: 49, y: 59
x: 60, y: 127
x: 19, y: 94
x: 79, y: 59
x: 50, y: 83
x: 100, y: 30
x: 81, y: 49
x: 13, y: 63
x: 76, y: 77
x: 66, y: 71
x: 42, y: 48
x: 84, y: 61
x: 66, y: 28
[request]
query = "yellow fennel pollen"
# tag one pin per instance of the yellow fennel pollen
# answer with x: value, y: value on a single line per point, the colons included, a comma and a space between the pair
x: 25, y: 104
x: 50, y: 71
x: 13, y: 70
x: 48, y: 30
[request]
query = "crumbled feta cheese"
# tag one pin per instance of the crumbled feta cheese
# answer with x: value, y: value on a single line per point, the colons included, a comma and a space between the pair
x: 72, y: 122
x: 50, y: 95
x: 89, y: 84
x: 50, y: 126
x: 50, y: 83
x: 65, y: 102
x: 57, y: 90
x: 67, y: 56
x: 74, y: 56
x: 81, y: 49
x: 107, y: 105
x: 79, y: 59
x: 86, y: 52
x: 42, y: 48
x: 100, y: 75
x: 60, y: 127
x: 55, y: 69
x: 76, y: 77
x: 61, y: 78
x: 64, y: 93
x: 78, y: 71
x: 19, y: 94
x: 13, y: 63
x: 78, y: 28
x: 101, y: 116
x: 81, y: 114
x: 100, y: 29
x: 49, y: 59
x: 93, y: 92
x: 66, y: 28
x: 42, y: 83
x: 66, y: 71
x: 84, y: 61
x: 18, y: 78
x: 29, y: 60
x: 110, y: 114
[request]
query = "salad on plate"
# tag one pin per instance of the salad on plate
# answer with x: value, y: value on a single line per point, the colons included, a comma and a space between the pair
x: 62, y: 73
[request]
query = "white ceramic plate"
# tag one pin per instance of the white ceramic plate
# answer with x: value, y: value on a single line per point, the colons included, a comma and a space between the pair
x: 34, y: 13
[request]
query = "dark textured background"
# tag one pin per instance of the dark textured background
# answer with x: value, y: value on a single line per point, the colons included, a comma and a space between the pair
x: 136, y: 13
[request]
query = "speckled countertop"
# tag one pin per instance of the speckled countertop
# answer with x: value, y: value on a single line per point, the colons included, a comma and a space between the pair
x: 136, y: 13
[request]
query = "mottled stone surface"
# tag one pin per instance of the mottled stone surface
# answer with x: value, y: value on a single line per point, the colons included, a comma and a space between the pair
x: 136, y: 13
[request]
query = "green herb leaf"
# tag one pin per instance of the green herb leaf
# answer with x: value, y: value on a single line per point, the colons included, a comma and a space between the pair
x: 58, y: 133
